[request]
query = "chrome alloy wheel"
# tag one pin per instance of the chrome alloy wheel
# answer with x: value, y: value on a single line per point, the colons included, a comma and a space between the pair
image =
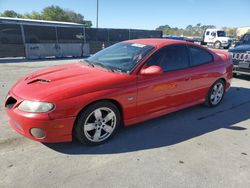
x: 217, y: 93
x: 100, y: 124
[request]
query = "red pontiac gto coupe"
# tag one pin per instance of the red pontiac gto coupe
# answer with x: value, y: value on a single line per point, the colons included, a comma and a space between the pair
x: 124, y: 84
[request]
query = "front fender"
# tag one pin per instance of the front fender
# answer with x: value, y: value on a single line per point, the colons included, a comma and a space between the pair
x: 71, y: 107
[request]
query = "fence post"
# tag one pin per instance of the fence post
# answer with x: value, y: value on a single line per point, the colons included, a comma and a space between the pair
x: 23, y: 39
x: 84, y: 40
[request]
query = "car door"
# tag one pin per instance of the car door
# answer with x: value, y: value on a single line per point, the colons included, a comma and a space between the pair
x: 206, y: 36
x: 211, y: 37
x: 167, y: 90
x: 201, y: 72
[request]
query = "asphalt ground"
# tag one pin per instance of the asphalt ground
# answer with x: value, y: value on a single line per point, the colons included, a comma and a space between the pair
x: 195, y: 147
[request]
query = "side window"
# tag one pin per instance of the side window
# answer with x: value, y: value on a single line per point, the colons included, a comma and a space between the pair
x: 207, y: 33
x: 170, y: 58
x: 199, y: 56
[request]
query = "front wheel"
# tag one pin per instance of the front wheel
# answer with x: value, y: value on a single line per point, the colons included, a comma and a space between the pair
x: 217, y: 44
x: 97, y: 123
x: 215, y: 94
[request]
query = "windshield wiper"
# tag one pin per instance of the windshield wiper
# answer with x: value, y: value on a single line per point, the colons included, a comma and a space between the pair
x: 87, y: 62
x: 97, y: 64
x: 100, y: 65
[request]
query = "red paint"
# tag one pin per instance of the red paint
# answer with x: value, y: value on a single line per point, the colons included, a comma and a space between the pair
x: 74, y: 86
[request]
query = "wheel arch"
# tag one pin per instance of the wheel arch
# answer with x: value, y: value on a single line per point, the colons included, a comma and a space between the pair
x: 113, y: 101
x: 207, y: 95
x: 222, y: 79
x: 217, y: 41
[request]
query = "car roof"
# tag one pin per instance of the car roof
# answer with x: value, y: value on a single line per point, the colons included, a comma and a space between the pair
x: 157, y: 42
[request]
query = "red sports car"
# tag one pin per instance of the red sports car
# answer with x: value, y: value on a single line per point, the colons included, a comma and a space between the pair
x: 124, y: 84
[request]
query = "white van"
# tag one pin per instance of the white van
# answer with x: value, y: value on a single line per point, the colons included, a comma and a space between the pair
x: 217, y: 38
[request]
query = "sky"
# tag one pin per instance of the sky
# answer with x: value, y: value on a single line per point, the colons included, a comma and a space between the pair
x: 147, y: 14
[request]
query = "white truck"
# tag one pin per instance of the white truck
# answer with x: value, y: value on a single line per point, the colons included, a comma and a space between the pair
x: 216, y: 38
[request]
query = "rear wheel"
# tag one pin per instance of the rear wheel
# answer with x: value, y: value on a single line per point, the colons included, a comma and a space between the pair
x: 97, y: 123
x: 215, y: 94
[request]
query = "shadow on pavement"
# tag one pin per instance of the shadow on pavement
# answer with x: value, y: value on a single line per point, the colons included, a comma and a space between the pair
x: 173, y: 128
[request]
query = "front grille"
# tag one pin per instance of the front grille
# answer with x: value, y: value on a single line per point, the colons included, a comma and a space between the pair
x: 241, y: 57
x: 10, y: 102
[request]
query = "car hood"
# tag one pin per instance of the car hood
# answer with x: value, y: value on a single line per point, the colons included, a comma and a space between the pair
x: 240, y: 49
x: 66, y: 81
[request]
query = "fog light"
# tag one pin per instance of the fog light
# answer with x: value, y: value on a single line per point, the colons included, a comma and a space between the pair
x: 37, y: 132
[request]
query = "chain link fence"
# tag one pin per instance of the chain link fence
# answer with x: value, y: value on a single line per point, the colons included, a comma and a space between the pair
x: 39, y: 40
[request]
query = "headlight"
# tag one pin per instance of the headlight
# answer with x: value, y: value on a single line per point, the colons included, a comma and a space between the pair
x: 224, y: 41
x: 35, y: 106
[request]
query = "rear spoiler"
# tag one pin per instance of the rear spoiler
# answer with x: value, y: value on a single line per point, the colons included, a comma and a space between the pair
x: 226, y: 56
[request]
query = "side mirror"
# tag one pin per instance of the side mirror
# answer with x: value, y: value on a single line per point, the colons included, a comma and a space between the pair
x: 152, y: 70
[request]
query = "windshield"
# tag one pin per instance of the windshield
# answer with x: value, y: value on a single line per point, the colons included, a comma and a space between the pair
x: 121, y: 57
x: 221, y: 33
x: 246, y: 39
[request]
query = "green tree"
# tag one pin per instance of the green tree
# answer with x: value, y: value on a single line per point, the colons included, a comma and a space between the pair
x: 77, y: 18
x: 190, y: 30
x: 11, y: 14
x: 231, y: 32
x: 52, y: 13
x: 87, y: 23
x: 34, y: 15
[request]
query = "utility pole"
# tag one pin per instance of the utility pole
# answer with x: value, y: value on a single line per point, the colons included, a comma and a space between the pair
x: 97, y: 12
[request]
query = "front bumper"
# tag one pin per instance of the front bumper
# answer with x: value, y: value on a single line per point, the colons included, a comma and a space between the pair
x: 55, y: 130
x: 226, y: 44
x: 239, y: 70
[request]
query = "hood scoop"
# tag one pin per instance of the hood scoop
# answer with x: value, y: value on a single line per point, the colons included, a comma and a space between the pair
x: 39, y: 80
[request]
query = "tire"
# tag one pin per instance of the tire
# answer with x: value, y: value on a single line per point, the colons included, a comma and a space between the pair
x: 215, y: 94
x: 217, y: 45
x: 97, y: 123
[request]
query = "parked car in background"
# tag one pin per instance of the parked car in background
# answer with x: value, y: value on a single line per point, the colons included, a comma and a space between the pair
x: 121, y: 85
x: 241, y: 55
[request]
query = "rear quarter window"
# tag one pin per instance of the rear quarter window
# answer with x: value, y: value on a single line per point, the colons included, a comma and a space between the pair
x: 199, y: 56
